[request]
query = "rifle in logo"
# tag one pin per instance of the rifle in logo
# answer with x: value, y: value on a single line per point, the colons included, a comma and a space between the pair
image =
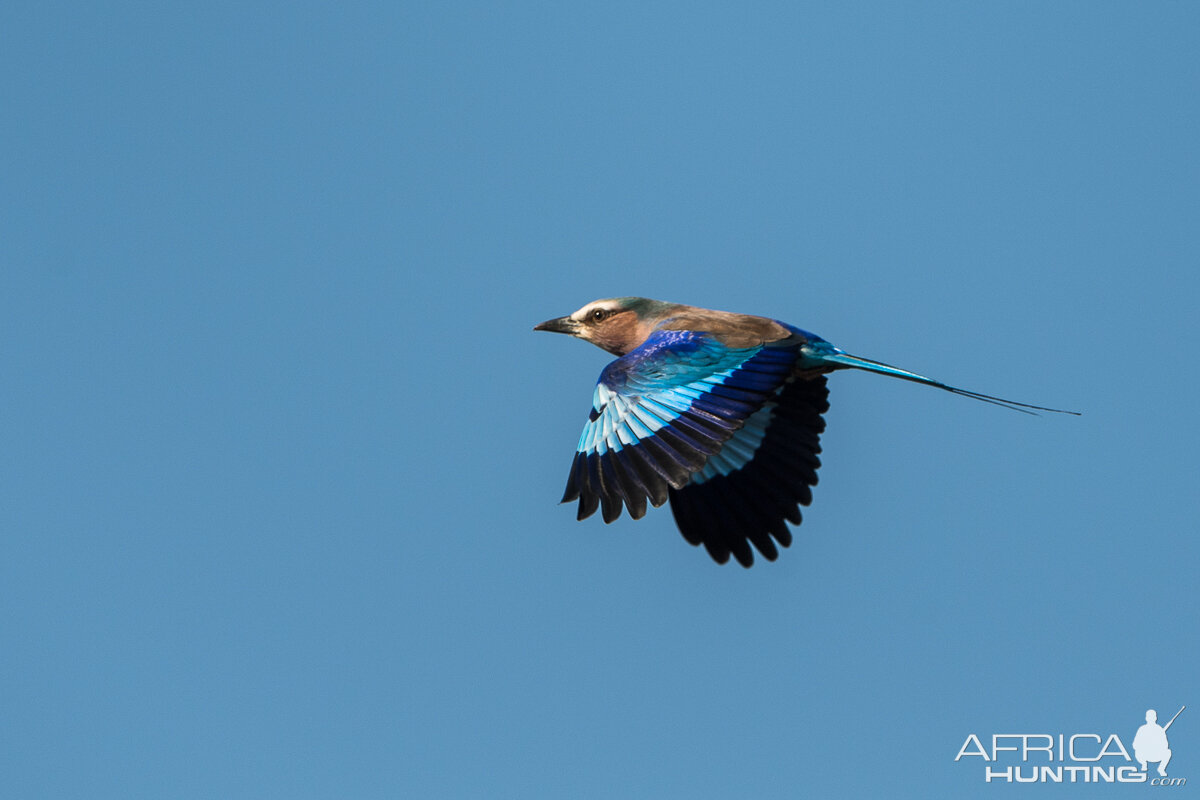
x: 1169, y: 724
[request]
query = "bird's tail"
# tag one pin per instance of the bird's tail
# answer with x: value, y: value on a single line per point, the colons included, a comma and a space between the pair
x: 832, y: 355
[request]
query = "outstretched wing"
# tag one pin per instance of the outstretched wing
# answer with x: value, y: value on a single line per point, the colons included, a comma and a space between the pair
x: 756, y: 483
x: 663, y: 410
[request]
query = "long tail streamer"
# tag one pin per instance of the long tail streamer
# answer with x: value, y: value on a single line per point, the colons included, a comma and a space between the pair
x: 858, y: 362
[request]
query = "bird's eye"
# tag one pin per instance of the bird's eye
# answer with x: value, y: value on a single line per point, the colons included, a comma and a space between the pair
x: 599, y: 315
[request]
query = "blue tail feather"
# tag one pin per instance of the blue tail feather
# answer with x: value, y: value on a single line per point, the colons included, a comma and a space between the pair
x: 834, y: 356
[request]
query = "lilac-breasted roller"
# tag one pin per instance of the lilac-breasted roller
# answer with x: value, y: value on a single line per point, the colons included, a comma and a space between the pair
x: 719, y: 413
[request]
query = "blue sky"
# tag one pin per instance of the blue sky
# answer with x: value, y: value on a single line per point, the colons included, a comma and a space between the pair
x: 282, y: 454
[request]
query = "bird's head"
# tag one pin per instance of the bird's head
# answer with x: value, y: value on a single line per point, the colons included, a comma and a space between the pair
x: 618, y: 324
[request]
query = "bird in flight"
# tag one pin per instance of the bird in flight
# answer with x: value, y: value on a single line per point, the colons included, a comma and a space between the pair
x: 717, y: 413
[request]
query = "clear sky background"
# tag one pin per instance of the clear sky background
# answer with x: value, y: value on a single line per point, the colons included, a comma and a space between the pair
x: 282, y: 454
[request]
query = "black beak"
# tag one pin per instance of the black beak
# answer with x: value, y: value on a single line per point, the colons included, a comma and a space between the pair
x: 559, y: 325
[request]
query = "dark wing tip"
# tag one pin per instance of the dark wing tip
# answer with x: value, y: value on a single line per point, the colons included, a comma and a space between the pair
x: 748, y: 509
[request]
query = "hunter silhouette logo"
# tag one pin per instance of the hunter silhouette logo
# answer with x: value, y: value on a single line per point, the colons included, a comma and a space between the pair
x: 1150, y: 742
x: 1075, y: 757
